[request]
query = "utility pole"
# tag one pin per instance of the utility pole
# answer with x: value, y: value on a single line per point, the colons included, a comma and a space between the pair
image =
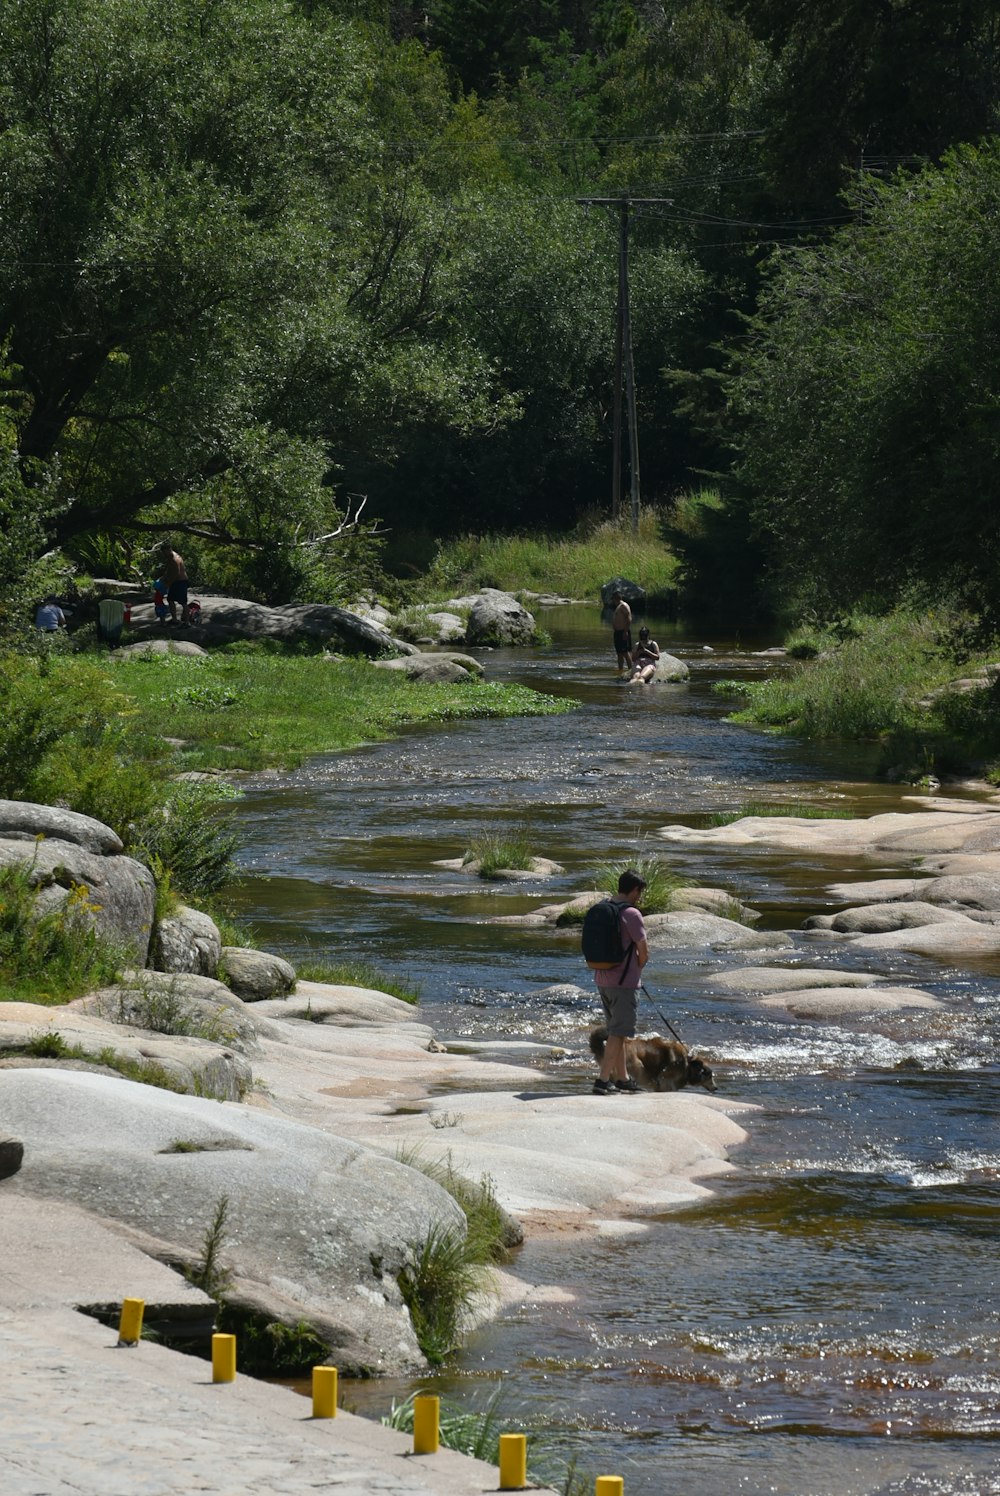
x: 624, y: 364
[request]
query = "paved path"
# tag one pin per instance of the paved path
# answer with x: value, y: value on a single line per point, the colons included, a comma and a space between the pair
x: 80, y: 1416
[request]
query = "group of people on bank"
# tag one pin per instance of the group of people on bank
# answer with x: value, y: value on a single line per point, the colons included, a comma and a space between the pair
x: 170, y: 593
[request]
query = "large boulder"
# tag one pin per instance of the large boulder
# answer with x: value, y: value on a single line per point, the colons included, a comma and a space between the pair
x: 255, y: 975
x: 316, y: 1229
x: 115, y: 895
x: 669, y: 668
x: 225, y: 618
x: 498, y: 618
x: 434, y: 669
x: 631, y: 592
x: 187, y: 941
x: 23, y: 820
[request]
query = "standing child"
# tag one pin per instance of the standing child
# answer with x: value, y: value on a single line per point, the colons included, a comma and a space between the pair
x: 160, y: 599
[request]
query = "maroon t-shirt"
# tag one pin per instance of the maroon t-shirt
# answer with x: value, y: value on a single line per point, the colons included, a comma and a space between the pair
x: 629, y: 973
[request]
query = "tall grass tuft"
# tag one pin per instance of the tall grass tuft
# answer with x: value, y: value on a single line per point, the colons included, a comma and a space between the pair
x: 661, y: 883
x: 801, y: 810
x: 500, y: 851
x: 449, y: 1271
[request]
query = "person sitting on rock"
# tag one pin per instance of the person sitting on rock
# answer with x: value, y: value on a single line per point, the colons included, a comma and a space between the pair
x: 645, y: 658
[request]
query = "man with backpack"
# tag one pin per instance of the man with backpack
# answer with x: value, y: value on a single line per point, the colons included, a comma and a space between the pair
x: 615, y: 947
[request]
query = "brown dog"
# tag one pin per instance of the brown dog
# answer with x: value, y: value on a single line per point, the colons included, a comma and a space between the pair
x: 658, y: 1064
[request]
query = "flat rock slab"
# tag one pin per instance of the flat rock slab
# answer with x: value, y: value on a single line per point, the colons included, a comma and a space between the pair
x: 639, y: 1154
x: 975, y: 830
x: 876, y: 890
x: 833, y: 1002
x: 198, y: 1066
x: 955, y: 939
x: 353, y: 1007
x: 750, y: 980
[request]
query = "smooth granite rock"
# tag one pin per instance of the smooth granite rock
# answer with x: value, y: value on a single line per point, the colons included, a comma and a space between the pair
x: 187, y: 941
x: 254, y: 975
x: 316, y: 1228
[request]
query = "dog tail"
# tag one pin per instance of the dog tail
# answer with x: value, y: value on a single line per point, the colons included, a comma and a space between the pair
x: 598, y: 1039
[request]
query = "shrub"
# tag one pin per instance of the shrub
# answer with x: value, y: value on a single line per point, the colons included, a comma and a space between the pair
x: 52, y: 957
x: 872, y: 684
x: 187, y: 840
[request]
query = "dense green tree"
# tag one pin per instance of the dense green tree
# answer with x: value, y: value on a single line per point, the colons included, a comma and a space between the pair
x: 869, y: 396
x: 871, y: 82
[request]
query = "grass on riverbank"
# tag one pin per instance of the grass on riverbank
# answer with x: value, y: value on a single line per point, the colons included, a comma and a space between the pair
x: 893, y: 678
x: 255, y: 710
x: 358, y: 974
x: 575, y: 566
x: 799, y: 809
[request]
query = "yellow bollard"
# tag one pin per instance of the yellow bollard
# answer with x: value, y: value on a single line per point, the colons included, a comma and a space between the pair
x: 610, y: 1485
x: 426, y: 1424
x: 513, y: 1462
x: 223, y: 1358
x: 324, y: 1392
x: 130, y: 1324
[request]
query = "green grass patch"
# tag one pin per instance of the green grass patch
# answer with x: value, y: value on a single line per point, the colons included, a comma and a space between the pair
x: 357, y: 974
x: 800, y: 809
x: 51, y: 958
x: 577, y: 566
x: 500, y: 851
x: 475, y: 1431
x: 870, y: 685
x: 288, y: 708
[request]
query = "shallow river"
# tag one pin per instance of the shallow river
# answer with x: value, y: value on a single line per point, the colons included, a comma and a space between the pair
x: 827, y: 1323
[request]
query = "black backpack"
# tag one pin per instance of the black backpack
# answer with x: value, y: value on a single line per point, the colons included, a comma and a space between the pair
x: 601, y: 936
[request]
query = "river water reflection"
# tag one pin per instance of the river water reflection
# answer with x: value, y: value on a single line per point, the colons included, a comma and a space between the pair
x: 827, y: 1321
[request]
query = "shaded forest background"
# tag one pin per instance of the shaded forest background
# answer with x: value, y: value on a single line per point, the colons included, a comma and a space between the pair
x: 261, y: 260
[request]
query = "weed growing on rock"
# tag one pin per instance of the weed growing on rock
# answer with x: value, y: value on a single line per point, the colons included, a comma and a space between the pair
x: 500, y: 851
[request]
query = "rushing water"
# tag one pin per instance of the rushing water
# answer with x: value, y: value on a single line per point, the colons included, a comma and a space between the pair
x: 827, y: 1321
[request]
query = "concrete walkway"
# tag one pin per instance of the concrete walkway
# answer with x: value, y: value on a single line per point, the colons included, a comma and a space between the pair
x: 81, y: 1416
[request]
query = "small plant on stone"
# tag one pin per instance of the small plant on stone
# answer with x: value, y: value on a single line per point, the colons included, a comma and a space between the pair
x: 208, y: 1273
x: 500, y: 851
x: 661, y: 883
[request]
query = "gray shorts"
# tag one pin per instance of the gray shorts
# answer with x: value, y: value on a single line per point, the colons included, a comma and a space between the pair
x: 620, y: 1005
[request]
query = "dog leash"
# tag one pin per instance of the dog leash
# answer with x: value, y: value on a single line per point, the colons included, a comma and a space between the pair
x: 662, y: 1016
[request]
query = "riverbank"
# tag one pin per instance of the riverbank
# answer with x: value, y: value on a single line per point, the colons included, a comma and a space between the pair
x: 362, y: 1067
